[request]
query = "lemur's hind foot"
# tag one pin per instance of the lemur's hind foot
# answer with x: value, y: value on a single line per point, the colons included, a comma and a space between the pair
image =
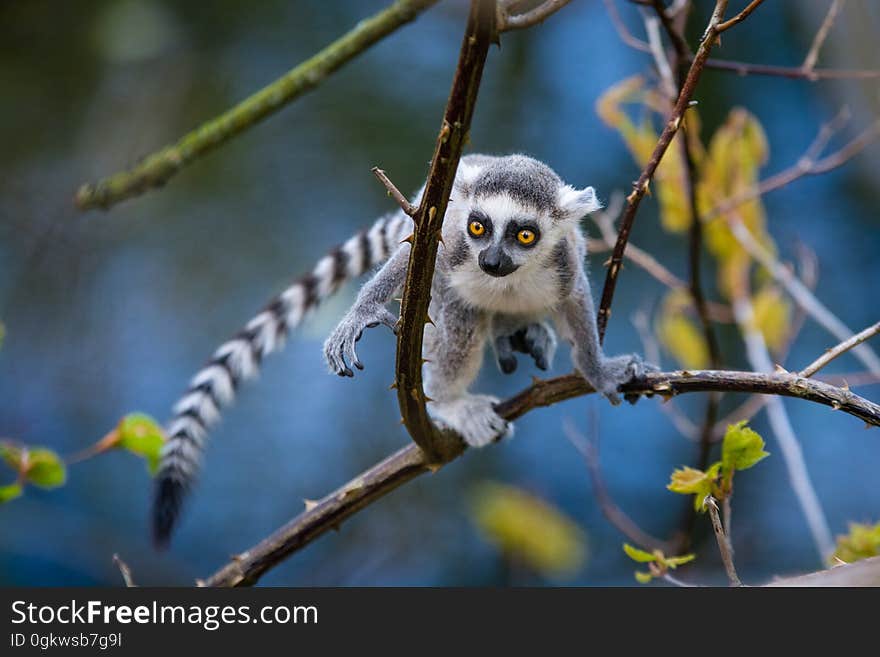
x: 537, y: 340
x: 473, y: 417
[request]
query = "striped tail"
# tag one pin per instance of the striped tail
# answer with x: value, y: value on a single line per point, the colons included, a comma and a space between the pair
x: 238, y: 360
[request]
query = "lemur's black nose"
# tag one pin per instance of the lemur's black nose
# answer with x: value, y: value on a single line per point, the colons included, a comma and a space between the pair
x: 495, y: 262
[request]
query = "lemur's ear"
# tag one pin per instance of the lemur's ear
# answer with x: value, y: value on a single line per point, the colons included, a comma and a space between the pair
x: 466, y: 176
x: 575, y: 203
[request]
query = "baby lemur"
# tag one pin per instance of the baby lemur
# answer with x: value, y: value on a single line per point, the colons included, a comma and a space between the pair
x: 512, y: 259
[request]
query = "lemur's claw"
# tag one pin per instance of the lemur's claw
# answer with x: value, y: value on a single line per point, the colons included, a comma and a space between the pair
x: 339, y: 350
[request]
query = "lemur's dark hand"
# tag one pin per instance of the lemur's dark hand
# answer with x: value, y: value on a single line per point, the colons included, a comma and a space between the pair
x: 536, y: 340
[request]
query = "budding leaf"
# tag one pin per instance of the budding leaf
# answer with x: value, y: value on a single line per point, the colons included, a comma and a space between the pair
x: 638, y: 555
x: 10, y: 492
x: 643, y: 577
x: 44, y: 468
x: 675, y: 562
x: 687, y: 480
x: 742, y: 448
x: 141, y: 435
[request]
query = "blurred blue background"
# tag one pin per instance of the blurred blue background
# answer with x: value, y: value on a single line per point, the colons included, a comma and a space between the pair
x: 108, y: 313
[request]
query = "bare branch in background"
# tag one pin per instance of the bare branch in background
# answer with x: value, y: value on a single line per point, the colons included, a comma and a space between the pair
x: 840, y: 349
x: 508, y: 21
x: 743, y: 68
x: 822, y: 34
x: 792, y: 454
x: 158, y: 168
x: 589, y: 449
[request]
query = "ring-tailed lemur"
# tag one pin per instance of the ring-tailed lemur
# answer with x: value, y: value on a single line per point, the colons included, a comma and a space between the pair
x: 512, y: 258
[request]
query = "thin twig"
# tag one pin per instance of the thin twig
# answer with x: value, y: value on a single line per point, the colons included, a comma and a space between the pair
x: 641, y: 186
x: 721, y: 538
x: 745, y: 68
x: 839, y: 350
x: 798, y: 291
x: 589, y: 449
x: 479, y: 35
x: 603, y: 220
x: 124, y: 570
x: 246, y: 568
x: 158, y: 168
x: 395, y: 193
x: 740, y: 17
x: 508, y: 21
x: 822, y: 34
x: 807, y: 165
x: 792, y: 454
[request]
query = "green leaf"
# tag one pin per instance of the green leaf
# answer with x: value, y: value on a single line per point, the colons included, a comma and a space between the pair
x: 44, y: 468
x: 638, y: 555
x: 10, y: 492
x: 863, y: 541
x: 2, y: 333
x: 643, y: 577
x: 687, y: 480
x: 675, y: 562
x: 141, y: 435
x: 742, y: 448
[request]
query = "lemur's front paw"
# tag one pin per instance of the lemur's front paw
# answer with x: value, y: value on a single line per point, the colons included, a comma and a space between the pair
x: 340, y: 346
x: 537, y: 340
x: 473, y: 417
x: 619, y: 370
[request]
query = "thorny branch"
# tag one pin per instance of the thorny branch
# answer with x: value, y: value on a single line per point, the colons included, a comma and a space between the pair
x: 158, y: 168
x: 428, y: 220
x: 641, y: 186
x: 246, y: 568
x: 589, y: 449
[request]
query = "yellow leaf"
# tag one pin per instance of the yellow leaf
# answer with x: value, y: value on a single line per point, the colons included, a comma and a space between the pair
x: 529, y: 529
x: 772, y: 316
x: 679, y: 335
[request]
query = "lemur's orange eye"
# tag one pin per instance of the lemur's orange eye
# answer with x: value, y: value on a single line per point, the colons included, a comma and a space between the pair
x: 476, y: 228
x: 525, y: 236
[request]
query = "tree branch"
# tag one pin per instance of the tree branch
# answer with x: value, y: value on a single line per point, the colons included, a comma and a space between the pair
x: 641, y: 186
x: 744, y: 68
x: 723, y: 544
x: 479, y: 34
x: 740, y: 17
x: 839, y: 350
x: 158, y: 168
x: 508, y: 21
x: 246, y: 568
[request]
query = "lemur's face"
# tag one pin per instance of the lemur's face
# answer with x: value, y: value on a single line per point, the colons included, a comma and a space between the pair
x: 504, y: 235
x: 504, y: 229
